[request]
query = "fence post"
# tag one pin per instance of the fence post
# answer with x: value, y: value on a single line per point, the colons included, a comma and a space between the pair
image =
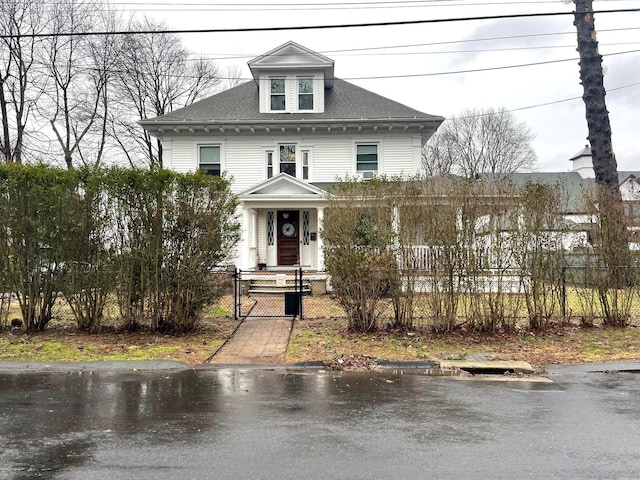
x: 564, y: 292
x: 234, y: 289
x: 300, y: 296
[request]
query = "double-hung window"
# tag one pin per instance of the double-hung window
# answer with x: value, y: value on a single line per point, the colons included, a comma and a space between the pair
x: 288, y: 159
x: 305, y: 93
x: 269, y: 164
x: 367, y: 157
x: 278, y: 94
x: 291, y: 94
x: 305, y: 164
x: 209, y: 159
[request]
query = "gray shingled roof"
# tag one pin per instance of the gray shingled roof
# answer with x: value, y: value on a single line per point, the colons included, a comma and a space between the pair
x: 570, y: 182
x: 344, y: 101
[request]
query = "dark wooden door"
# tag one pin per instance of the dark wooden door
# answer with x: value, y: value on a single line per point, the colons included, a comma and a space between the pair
x: 288, y: 237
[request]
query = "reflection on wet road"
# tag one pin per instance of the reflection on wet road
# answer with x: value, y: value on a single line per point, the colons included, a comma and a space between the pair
x: 305, y: 424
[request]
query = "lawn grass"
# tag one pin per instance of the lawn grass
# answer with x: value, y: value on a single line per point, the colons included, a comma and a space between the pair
x: 325, y: 339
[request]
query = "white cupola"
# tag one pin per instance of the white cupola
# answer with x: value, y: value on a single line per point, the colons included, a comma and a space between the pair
x: 583, y: 163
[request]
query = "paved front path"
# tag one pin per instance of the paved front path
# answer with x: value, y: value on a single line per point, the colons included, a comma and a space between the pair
x: 256, y: 341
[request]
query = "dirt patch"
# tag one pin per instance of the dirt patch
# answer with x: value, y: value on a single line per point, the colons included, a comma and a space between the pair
x: 322, y: 340
x: 353, y: 362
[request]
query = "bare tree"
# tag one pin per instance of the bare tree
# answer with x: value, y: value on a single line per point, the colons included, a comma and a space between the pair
x: 103, y: 54
x: 76, y: 83
x: 233, y: 77
x: 156, y: 75
x: 20, y: 84
x: 479, y: 141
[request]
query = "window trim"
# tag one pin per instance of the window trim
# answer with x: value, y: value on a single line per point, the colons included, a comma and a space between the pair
x: 296, y: 159
x: 292, y: 93
x: 282, y: 94
x: 300, y: 94
x: 305, y: 152
x: 378, y: 145
x: 269, y: 159
x: 219, y: 146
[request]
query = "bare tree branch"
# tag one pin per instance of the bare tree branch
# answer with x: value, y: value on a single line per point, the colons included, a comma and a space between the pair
x: 480, y: 141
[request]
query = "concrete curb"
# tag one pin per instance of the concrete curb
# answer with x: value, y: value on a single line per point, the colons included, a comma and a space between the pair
x: 97, y: 366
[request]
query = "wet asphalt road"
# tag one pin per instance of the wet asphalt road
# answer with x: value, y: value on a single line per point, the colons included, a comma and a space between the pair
x: 262, y: 424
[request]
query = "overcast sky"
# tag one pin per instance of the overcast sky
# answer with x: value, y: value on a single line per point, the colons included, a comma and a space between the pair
x: 426, y: 51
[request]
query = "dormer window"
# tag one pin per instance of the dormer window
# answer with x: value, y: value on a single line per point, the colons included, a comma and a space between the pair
x: 278, y: 94
x: 292, y: 93
x: 305, y: 93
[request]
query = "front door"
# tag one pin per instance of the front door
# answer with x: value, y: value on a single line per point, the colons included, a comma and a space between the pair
x: 288, y: 237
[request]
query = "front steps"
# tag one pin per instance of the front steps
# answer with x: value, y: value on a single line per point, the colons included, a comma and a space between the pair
x: 277, y: 283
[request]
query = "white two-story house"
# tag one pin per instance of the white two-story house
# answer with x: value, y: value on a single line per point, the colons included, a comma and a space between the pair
x: 282, y: 139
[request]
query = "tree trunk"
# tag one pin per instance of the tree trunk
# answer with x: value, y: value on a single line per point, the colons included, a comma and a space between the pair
x: 613, y: 237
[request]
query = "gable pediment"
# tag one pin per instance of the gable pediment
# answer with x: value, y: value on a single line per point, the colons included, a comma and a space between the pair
x: 282, y: 186
x: 292, y: 57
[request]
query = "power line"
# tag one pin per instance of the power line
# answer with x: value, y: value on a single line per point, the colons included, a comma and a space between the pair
x: 203, y: 7
x: 238, y: 56
x: 416, y: 75
x: 546, y: 104
x: 487, y: 69
x: 313, y: 27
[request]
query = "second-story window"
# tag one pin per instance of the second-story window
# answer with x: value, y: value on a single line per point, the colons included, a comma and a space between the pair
x: 367, y: 158
x: 209, y: 161
x: 288, y: 159
x: 305, y: 94
x: 269, y: 164
x: 278, y: 94
x: 305, y: 165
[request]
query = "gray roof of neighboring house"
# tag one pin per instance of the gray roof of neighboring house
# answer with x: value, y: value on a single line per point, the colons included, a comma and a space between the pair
x: 345, y: 101
x: 571, y: 183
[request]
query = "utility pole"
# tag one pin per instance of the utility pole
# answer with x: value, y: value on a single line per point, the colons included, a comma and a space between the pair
x: 612, y: 243
x: 604, y: 160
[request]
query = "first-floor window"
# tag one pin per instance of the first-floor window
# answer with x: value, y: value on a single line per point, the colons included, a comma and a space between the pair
x: 367, y: 157
x: 209, y: 159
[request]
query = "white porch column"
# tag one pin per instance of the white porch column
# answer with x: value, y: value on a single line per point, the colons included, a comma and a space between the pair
x: 245, y: 242
x: 395, y: 228
x: 320, y: 266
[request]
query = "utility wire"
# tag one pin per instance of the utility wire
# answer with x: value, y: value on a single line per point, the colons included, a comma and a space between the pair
x: 382, y: 77
x: 546, y: 104
x: 238, y: 56
x: 314, y: 27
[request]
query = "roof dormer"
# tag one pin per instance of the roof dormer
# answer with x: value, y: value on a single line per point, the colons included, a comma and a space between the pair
x: 292, y: 79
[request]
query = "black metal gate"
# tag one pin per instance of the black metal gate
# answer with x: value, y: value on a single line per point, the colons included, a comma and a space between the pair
x: 267, y: 293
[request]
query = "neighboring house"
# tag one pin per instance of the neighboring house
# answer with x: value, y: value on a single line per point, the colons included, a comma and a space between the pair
x: 575, y: 186
x: 281, y: 138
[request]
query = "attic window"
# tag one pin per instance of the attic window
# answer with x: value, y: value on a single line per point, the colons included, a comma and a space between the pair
x: 305, y: 94
x: 278, y: 94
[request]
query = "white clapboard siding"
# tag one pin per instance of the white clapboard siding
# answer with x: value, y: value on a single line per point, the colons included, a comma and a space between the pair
x: 333, y: 156
x: 398, y: 156
x: 184, y: 155
x: 244, y: 161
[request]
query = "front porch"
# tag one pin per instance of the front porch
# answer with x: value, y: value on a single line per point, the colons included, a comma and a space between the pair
x: 281, y: 219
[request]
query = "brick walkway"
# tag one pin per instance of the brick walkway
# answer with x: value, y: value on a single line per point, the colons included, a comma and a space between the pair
x: 256, y: 341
